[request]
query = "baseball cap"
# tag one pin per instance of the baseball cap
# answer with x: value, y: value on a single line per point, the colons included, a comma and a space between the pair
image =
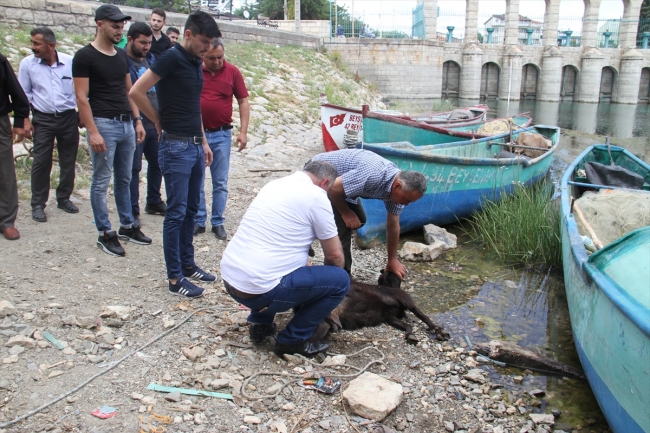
x: 110, y: 12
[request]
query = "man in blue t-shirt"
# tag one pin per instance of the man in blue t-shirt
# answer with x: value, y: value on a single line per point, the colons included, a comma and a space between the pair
x: 140, y: 60
x: 184, y: 151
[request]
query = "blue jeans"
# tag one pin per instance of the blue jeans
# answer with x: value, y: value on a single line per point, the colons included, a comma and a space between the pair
x: 116, y: 160
x: 317, y: 290
x: 182, y: 165
x: 221, y: 143
x: 154, y: 176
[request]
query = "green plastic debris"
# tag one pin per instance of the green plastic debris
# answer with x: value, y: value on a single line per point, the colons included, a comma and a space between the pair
x: 188, y: 391
x: 56, y: 343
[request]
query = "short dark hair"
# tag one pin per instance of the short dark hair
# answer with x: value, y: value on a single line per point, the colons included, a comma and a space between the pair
x: 200, y: 23
x: 321, y: 170
x: 159, y: 12
x: 172, y: 30
x: 413, y: 181
x: 47, y: 33
x: 138, y: 29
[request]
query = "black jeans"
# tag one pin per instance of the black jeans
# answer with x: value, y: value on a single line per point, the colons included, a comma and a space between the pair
x: 8, y: 186
x: 149, y: 147
x: 345, y: 234
x: 65, y: 130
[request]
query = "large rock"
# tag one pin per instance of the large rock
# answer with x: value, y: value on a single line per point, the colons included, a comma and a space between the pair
x: 417, y: 252
x: 6, y: 308
x: 433, y: 234
x: 21, y: 341
x: 542, y: 418
x: 373, y: 397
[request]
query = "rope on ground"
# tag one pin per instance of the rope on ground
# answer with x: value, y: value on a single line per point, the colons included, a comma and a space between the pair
x: 109, y: 367
x: 312, y: 362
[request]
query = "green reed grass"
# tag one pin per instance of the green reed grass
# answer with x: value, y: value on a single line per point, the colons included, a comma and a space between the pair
x: 521, y: 228
x: 442, y: 105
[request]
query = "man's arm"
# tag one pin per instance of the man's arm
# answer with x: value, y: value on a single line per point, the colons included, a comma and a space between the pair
x: 392, y: 240
x: 138, y: 95
x: 244, y: 117
x: 139, y: 129
x: 333, y: 252
x: 19, y: 102
x: 207, y: 152
x: 95, y: 139
x: 336, y: 195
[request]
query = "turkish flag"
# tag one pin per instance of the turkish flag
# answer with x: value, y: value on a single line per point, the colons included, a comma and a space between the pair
x: 337, y: 120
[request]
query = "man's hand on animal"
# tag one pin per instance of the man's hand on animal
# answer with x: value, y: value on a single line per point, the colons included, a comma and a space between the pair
x: 396, y: 267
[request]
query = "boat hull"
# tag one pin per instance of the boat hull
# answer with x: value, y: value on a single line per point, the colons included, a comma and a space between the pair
x: 611, y: 330
x: 456, y: 185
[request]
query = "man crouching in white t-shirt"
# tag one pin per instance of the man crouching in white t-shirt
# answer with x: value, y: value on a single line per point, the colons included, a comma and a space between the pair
x: 265, y: 265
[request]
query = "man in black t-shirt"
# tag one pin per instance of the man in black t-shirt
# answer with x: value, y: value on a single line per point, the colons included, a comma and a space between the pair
x: 102, y: 82
x: 160, y: 42
x: 140, y: 60
x: 184, y: 151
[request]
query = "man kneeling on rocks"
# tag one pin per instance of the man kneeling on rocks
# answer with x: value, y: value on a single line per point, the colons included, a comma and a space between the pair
x: 265, y: 265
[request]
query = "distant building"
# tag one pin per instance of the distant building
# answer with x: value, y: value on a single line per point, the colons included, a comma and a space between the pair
x: 498, y: 23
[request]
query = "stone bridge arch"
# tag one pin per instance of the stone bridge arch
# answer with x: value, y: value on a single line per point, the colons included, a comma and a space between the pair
x: 644, y: 86
x: 450, y: 79
x: 529, y: 81
x: 569, y: 82
x: 490, y: 75
x: 608, y: 82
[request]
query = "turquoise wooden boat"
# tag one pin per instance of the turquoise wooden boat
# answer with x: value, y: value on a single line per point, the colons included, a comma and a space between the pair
x: 382, y: 128
x: 461, y: 177
x: 609, y: 303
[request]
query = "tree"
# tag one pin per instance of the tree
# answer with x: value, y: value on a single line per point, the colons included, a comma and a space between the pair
x: 309, y: 9
x: 181, y: 6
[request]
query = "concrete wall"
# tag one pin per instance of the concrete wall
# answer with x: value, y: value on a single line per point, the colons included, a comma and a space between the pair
x: 413, y: 68
x: 78, y: 17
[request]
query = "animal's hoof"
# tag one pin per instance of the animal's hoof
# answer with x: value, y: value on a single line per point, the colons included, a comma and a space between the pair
x: 411, y: 339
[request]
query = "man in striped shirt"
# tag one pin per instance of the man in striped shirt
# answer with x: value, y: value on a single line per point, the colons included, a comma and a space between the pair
x: 365, y: 174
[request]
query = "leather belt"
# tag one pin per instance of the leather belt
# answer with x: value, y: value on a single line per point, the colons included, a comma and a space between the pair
x: 221, y: 128
x: 234, y: 292
x: 183, y: 138
x: 121, y: 118
x: 55, y: 114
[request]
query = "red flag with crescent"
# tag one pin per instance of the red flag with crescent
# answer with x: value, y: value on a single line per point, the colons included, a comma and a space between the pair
x: 337, y: 120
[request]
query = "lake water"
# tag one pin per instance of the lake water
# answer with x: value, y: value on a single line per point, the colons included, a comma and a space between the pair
x: 478, y: 298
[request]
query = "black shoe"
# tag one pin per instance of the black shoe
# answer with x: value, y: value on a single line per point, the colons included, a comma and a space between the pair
x: 158, y: 208
x: 198, y: 274
x: 257, y: 333
x: 110, y: 244
x: 198, y: 229
x: 135, y: 235
x: 184, y: 287
x: 307, y: 349
x: 38, y: 214
x: 67, y: 206
x: 219, y: 232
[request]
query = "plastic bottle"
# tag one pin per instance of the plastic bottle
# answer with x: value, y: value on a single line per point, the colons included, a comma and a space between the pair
x: 589, y: 244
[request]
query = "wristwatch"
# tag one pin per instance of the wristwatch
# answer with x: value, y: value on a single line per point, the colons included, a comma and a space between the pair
x: 138, y: 118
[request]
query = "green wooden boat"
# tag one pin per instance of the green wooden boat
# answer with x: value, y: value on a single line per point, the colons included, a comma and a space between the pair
x: 382, y: 128
x: 461, y: 177
x: 609, y: 302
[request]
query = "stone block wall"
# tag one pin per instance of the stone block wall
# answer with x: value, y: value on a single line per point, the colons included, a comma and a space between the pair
x: 78, y: 17
x: 320, y: 28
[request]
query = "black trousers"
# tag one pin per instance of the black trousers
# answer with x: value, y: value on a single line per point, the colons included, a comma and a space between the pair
x: 8, y: 186
x: 345, y: 234
x: 65, y: 130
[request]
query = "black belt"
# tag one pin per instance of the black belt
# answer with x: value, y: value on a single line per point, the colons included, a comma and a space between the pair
x: 234, y: 292
x: 55, y: 114
x: 183, y: 138
x: 221, y: 128
x: 121, y: 118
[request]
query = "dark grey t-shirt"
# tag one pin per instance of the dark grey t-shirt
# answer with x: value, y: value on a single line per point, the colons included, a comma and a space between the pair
x: 141, y: 67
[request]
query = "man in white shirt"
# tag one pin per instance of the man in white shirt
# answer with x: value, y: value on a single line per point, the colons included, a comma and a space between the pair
x: 265, y: 265
x: 46, y: 78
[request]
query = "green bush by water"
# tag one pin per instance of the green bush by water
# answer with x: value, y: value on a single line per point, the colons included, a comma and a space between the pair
x: 521, y: 228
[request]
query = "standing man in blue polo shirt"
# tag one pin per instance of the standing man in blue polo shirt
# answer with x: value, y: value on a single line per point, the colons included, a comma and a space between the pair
x: 46, y: 78
x: 184, y: 151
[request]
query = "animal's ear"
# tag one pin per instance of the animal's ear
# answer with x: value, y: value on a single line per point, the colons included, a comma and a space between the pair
x: 389, y: 279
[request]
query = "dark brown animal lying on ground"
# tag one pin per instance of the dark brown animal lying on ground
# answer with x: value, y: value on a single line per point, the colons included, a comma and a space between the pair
x: 372, y: 305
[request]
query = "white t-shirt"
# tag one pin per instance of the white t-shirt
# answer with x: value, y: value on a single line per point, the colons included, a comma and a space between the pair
x: 274, y: 236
